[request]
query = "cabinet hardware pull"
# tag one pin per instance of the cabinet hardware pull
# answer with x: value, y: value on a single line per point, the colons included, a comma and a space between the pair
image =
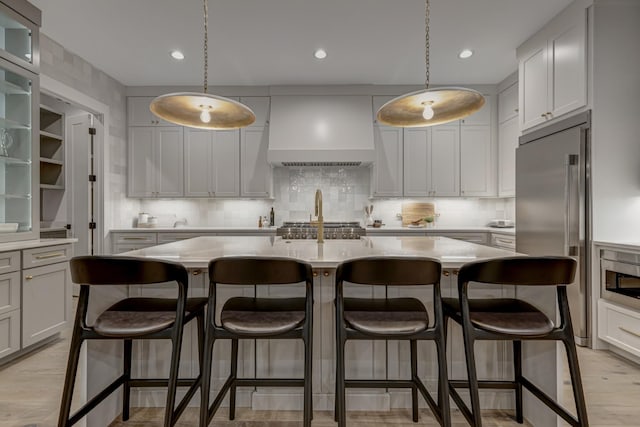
x: 52, y: 255
x: 196, y: 272
x: 544, y: 115
x: 623, y: 329
x: 508, y: 242
x: 134, y: 238
x: 28, y: 277
x: 455, y: 272
x: 315, y: 274
x: 325, y: 274
x: 517, y: 110
x: 445, y: 273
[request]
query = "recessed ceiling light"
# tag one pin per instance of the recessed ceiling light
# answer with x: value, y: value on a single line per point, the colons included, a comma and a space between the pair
x: 320, y: 54
x: 464, y: 54
x: 176, y: 54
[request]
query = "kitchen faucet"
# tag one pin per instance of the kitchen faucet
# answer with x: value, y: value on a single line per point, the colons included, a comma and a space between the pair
x: 320, y: 221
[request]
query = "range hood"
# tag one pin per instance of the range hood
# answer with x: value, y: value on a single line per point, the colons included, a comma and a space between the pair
x: 320, y: 130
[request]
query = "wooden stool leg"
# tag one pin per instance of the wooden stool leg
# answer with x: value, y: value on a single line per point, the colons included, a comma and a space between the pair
x: 70, y: 376
x: 308, y: 381
x: 414, y: 377
x: 443, y: 382
x: 126, y: 387
x: 234, y: 375
x: 576, y: 380
x: 205, y: 388
x: 176, y: 342
x: 471, y: 374
x: 517, y: 368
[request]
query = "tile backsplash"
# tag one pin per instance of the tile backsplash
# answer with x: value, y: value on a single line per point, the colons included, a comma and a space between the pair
x: 345, y: 193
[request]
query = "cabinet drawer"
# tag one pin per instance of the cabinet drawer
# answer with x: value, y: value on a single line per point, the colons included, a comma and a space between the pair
x: 44, y: 256
x: 9, y: 261
x: 9, y: 292
x: 620, y: 327
x: 46, y: 301
x: 504, y: 242
x: 135, y: 238
x: 9, y: 333
x: 479, y: 238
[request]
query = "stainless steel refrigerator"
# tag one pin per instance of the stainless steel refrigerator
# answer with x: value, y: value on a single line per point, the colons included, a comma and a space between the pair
x: 553, y: 205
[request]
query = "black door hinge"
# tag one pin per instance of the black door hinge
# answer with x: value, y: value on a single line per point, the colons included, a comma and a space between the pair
x: 68, y: 226
x: 92, y: 131
x: 92, y: 226
x: 92, y: 178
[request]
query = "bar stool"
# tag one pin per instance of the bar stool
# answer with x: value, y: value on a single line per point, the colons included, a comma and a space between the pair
x: 257, y: 318
x: 514, y: 320
x: 129, y: 319
x: 391, y: 319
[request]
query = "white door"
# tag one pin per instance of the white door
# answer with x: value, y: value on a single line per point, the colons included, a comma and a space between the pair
x: 534, y: 83
x: 141, y: 162
x: 444, y: 160
x: 169, y: 161
x: 416, y: 168
x: 508, y: 133
x: 255, y: 170
x: 198, y: 149
x: 388, y: 166
x: 85, y: 200
x: 477, y: 174
x: 225, y: 166
x: 567, y: 66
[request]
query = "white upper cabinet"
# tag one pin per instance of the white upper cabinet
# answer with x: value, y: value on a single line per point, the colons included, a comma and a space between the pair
x: 477, y: 165
x: 445, y: 160
x: 508, y: 133
x: 508, y: 103
x: 482, y: 116
x: 155, y: 161
x: 387, y: 170
x: 256, y: 178
x: 212, y: 163
x: 417, y: 177
x: 553, y: 69
x: 139, y: 114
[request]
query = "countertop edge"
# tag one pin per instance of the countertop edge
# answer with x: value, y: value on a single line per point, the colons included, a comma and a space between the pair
x: 30, y: 244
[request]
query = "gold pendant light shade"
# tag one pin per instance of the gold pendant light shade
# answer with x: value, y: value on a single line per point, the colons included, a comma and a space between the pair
x: 202, y: 110
x: 428, y: 107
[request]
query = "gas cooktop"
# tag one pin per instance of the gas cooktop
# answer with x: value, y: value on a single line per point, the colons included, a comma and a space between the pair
x: 332, y: 230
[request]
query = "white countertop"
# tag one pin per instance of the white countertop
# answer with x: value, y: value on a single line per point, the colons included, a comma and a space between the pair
x: 257, y: 230
x: 441, y: 229
x: 197, y: 252
x: 30, y: 244
x: 634, y: 246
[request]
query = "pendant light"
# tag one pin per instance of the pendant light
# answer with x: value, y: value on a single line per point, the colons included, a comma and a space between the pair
x: 202, y: 110
x: 430, y: 106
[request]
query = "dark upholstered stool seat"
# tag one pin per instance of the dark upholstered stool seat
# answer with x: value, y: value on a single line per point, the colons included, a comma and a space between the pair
x: 133, y: 317
x: 396, y: 316
x: 262, y: 316
x: 502, y: 315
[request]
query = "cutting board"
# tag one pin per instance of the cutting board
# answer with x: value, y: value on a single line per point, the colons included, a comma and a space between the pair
x: 413, y: 211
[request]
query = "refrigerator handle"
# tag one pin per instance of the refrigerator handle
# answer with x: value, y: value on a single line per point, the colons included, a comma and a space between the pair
x: 571, y: 161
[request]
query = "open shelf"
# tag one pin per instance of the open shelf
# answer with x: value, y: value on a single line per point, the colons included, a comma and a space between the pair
x: 49, y: 135
x: 51, y: 161
x: 51, y: 187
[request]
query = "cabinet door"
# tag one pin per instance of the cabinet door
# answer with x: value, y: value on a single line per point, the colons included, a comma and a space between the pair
x: 141, y: 163
x: 445, y: 160
x: 260, y: 107
x: 198, y: 154
x: 225, y: 170
x: 568, y: 70
x: 534, y: 83
x: 169, y: 162
x: 139, y: 114
x: 46, y: 301
x: 477, y: 171
x: 9, y: 333
x: 255, y: 170
x: 9, y: 292
x: 508, y: 133
x: 416, y: 156
x: 387, y: 170
x: 508, y: 103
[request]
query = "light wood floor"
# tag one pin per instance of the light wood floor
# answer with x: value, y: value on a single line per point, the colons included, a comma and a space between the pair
x: 30, y: 391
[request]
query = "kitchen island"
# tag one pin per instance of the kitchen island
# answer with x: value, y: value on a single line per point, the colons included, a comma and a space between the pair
x: 281, y: 358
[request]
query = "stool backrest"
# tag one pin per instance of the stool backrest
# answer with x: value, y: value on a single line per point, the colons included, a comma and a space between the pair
x: 390, y: 271
x: 521, y: 270
x: 115, y: 270
x: 259, y: 271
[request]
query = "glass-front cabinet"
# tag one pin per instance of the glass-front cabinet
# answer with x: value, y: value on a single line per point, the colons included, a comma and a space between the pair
x: 19, y: 122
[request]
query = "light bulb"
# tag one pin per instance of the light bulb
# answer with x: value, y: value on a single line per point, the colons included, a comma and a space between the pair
x: 205, y: 116
x: 427, y: 113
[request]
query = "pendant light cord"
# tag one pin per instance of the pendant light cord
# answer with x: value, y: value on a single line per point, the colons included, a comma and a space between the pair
x: 426, y: 44
x: 206, y: 41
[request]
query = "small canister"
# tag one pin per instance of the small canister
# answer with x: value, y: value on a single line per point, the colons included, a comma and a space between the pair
x: 143, y: 218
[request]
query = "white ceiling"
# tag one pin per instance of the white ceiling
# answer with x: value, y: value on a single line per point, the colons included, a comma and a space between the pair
x: 271, y: 42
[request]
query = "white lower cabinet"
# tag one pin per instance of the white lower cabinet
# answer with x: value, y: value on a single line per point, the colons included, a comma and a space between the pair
x: 9, y: 333
x: 46, y: 301
x: 619, y: 326
x: 35, y: 296
x: 503, y: 241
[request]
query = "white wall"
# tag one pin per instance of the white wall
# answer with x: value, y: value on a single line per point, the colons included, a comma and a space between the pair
x: 615, y: 131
